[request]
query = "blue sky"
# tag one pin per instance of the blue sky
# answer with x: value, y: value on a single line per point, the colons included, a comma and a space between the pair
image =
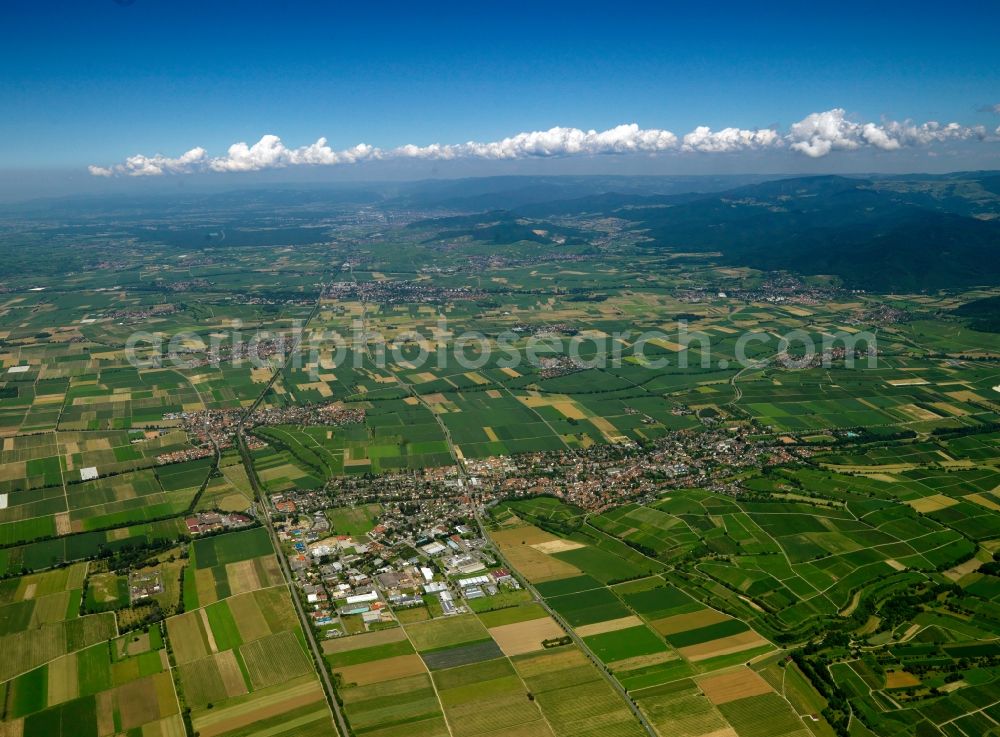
x: 94, y: 81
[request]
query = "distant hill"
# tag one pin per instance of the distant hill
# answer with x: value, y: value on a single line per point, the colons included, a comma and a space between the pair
x: 498, y: 227
x: 881, y: 234
x: 984, y: 314
x: 514, y: 192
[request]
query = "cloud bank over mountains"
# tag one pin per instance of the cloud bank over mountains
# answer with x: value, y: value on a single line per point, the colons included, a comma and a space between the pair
x: 815, y: 136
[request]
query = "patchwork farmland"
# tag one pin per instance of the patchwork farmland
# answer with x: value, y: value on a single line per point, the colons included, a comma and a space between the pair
x: 232, y: 659
x: 474, y: 675
x: 661, y: 645
x: 706, y: 538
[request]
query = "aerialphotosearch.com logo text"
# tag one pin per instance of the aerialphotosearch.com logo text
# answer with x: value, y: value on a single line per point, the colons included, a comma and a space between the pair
x: 321, y: 351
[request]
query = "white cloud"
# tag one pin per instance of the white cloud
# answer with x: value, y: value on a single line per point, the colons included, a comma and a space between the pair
x: 921, y: 135
x: 553, y: 142
x: 816, y: 135
x: 879, y: 138
x: 270, y: 153
x: 728, y: 140
x: 145, y: 166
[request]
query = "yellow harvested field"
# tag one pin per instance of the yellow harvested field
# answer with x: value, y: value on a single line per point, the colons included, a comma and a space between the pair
x: 166, y: 696
x: 13, y: 471
x: 914, y: 381
x: 932, y: 503
x: 138, y: 702
x: 684, y: 622
x: 570, y: 410
x: 557, y: 546
x: 797, y: 311
x: 204, y: 581
x: 668, y: 344
x: 232, y: 676
x: 382, y: 670
x: 106, y: 712
x: 369, y: 639
x: 63, y: 524
x: 611, y: 625
x: 612, y: 433
x: 525, y: 637
x: 737, y: 684
x: 171, y: 726
x: 642, y: 661
x: 187, y: 638
x: 984, y: 500
x: 918, y: 413
x: 965, y: 396
x: 242, y: 576
x: 535, y: 565
x: 63, y: 681
x: 523, y: 535
x: 949, y: 409
x: 13, y: 728
x: 883, y: 477
x: 958, y: 572
x: 248, y: 617
x: 318, y: 386
x: 207, y: 629
x: 550, y: 661
x: 723, y: 646
x: 511, y: 373
x: 900, y: 679
x: 232, y: 503
x: 224, y: 719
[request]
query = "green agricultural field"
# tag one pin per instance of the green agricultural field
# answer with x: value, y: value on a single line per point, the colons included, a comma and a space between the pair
x: 623, y: 644
x: 231, y: 547
x: 589, y: 607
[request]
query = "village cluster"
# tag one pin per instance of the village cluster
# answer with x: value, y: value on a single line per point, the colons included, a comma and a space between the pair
x: 218, y: 427
x: 424, y: 547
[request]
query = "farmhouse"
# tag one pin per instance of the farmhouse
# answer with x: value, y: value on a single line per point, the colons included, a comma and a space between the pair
x: 204, y: 522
